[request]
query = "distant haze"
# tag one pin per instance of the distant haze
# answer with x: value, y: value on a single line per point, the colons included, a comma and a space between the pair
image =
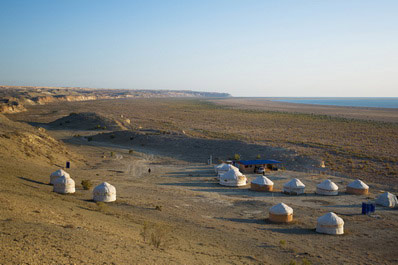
x: 247, y: 48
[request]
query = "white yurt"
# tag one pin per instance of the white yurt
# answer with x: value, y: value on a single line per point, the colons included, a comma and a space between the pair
x: 330, y: 224
x: 224, y: 169
x: 64, y: 185
x: 262, y: 183
x: 217, y: 167
x: 281, y: 213
x: 294, y: 187
x: 233, y: 178
x: 357, y: 187
x: 327, y: 187
x: 387, y: 199
x: 57, y: 174
x: 104, y: 192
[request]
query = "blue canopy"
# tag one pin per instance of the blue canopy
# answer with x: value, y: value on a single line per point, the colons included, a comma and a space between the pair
x: 258, y: 162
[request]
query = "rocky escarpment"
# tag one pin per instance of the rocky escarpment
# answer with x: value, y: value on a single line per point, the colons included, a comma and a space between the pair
x: 15, y: 99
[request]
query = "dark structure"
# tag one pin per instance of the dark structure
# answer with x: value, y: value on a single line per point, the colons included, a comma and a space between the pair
x: 251, y: 166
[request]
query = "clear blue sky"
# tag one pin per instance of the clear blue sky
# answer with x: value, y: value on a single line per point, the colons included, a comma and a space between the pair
x: 246, y: 48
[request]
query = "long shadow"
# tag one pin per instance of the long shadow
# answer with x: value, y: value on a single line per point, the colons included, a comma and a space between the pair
x: 34, y: 181
x: 191, y: 184
x: 293, y: 230
x: 241, y: 220
x: 344, y: 206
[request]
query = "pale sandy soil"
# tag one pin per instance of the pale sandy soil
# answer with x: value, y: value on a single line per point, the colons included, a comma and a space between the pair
x: 202, y: 222
x: 375, y: 114
x: 197, y: 220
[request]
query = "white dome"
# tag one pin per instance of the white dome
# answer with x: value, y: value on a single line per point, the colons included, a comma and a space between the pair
x: 387, y: 199
x: 330, y: 223
x: 104, y: 192
x: 330, y: 219
x: 233, y: 178
x: 358, y: 184
x: 57, y: 174
x: 263, y: 181
x: 281, y: 209
x: 64, y: 185
x: 327, y: 185
x: 294, y: 183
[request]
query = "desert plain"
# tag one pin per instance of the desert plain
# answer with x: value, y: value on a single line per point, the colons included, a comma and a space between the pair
x: 178, y: 213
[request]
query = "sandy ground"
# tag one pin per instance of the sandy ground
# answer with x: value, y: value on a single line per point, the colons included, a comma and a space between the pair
x: 196, y: 220
x: 375, y: 114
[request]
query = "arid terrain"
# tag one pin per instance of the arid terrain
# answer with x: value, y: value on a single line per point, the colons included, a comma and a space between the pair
x: 178, y: 213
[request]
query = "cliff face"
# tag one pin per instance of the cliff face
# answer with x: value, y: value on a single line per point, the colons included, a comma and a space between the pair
x: 14, y: 99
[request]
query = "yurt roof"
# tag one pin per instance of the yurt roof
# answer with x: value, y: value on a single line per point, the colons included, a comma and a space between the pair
x: 327, y: 185
x: 63, y: 179
x: 330, y: 219
x: 233, y: 173
x: 281, y: 208
x: 358, y: 184
x: 59, y: 173
x: 294, y: 183
x: 386, y: 196
x: 104, y: 187
x: 219, y: 166
x: 263, y: 180
x: 225, y: 167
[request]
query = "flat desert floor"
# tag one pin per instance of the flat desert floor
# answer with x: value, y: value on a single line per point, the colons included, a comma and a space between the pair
x: 177, y: 213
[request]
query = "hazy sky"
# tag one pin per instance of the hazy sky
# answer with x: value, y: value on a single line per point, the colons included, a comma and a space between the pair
x: 246, y: 48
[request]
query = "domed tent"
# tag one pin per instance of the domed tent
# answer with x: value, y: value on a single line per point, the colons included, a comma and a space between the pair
x: 387, y: 199
x: 57, y: 174
x: 233, y: 178
x: 64, y: 185
x: 262, y: 183
x: 218, y: 167
x: 330, y: 224
x: 294, y: 187
x: 357, y: 187
x: 281, y: 213
x: 327, y: 187
x: 104, y: 192
x: 225, y: 168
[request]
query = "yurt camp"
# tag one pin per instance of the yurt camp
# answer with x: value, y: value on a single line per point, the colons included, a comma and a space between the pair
x: 64, y: 185
x: 357, y: 187
x: 327, y: 187
x: 281, y: 213
x: 330, y: 224
x: 104, y: 192
x: 233, y: 178
x: 262, y: 183
x: 294, y: 187
x: 57, y: 174
x: 387, y: 200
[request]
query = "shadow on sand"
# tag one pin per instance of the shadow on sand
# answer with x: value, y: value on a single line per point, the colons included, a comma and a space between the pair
x: 33, y: 181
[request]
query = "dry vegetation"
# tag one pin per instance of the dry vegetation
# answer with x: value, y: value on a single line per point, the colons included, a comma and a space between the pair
x: 358, y: 148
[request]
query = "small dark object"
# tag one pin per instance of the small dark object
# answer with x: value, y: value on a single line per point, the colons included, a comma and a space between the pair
x: 368, y: 208
x: 149, y: 170
x: 67, y: 164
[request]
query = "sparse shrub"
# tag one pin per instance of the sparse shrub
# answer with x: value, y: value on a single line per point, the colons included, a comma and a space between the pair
x: 90, y: 138
x: 305, y: 261
x: 236, y: 157
x: 155, y: 235
x: 131, y: 151
x: 98, y: 126
x: 282, y: 243
x: 86, y: 184
x: 158, y: 207
x: 112, y: 136
x: 112, y: 154
x: 258, y: 156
